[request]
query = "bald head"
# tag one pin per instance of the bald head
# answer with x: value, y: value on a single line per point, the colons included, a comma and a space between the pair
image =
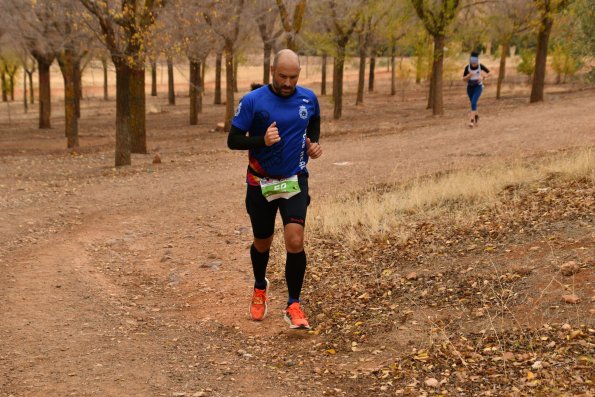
x: 286, y: 72
x: 286, y: 57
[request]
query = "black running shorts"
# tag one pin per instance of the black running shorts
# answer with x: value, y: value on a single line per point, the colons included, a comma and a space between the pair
x: 263, y: 213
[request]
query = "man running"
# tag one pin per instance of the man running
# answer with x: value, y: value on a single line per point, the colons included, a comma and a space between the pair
x: 474, y: 74
x: 282, y: 123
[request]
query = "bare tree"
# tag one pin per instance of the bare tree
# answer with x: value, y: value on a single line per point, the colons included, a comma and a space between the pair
x: 194, y: 38
x: 29, y: 66
x: 67, y: 15
x: 35, y: 28
x: 399, y: 23
x: 364, y: 36
x: 123, y: 27
x: 9, y: 66
x: 225, y: 20
x: 164, y: 40
x: 317, y: 37
x: 342, y: 23
x: 373, y: 14
x: 507, y: 19
x: 436, y: 18
x: 266, y: 17
x: 547, y: 10
x: 11, y: 69
x: 292, y: 24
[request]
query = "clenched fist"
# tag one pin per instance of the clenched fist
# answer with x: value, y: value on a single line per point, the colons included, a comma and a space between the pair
x: 272, y: 135
x: 314, y: 149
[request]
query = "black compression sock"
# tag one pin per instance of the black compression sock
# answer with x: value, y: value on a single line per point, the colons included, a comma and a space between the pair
x: 295, y: 269
x: 260, y: 261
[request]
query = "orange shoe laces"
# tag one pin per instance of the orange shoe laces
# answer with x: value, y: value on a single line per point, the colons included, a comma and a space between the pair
x: 259, y: 296
x: 295, y: 311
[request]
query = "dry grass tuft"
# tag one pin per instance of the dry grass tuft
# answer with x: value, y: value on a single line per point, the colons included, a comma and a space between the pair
x: 455, y: 195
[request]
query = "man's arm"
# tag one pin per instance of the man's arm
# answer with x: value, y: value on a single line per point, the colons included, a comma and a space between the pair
x: 312, y: 137
x: 313, y: 129
x: 238, y: 140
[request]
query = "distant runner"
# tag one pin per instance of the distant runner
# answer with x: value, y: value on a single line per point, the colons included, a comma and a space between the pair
x: 282, y: 123
x: 474, y: 75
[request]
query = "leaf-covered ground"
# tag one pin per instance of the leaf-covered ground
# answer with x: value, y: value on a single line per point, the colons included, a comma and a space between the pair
x: 476, y: 309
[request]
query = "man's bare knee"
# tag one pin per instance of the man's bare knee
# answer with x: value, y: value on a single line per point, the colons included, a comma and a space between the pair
x: 294, y: 238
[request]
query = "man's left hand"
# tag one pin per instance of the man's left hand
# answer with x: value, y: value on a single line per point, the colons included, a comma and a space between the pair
x: 314, y: 149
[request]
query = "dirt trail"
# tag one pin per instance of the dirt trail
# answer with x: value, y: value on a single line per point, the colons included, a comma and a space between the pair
x: 135, y: 281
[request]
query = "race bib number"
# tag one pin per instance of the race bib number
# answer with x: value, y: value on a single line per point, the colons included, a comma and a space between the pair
x: 273, y: 189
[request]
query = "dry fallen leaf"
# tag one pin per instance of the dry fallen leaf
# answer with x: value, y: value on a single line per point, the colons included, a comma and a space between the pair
x: 569, y: 268
x: 573, y: 299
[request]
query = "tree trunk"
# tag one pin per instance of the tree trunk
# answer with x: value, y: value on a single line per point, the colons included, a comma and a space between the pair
x: 235, y: 74
x: 78, y: 85
x: 229, y: 77
x: 338, y: 82
x: 195, y: 92
x: 436, y: 81
x: 153, y: 78
x: 418, y: 66
x: 323, y: 82
x: 541, y: 59
x: 68, y: 69
x: 372, y: 70
x: 105, y: 92
x: 292, y: 28
x: 123, y: 77
x: 502, y: 71
x: 45, y: 105
x: 200, y: 85
x: 361, y: 76
x: 430, y: 104
x: 334, y: 73
x: 11, y: 80
x: 393, y: 74
x: 138, y: 133
x: 218, y: 65
x: 31, y: 93
x: 4, y: 86
x: 171, y: 92
x: 290, y: 42
x: 202, y: 79
x: 266, y: 64
x: 26, y: 105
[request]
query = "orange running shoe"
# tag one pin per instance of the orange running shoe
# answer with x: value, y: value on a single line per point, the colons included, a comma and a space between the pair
x: 295, y: 317
x: 258, y: 305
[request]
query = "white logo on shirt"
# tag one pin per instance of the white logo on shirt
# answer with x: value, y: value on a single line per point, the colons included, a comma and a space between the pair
x: 303, y: 112
x: 239, y: 109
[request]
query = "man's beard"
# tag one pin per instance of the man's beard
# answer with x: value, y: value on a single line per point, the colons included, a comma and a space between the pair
x: 279, y: 89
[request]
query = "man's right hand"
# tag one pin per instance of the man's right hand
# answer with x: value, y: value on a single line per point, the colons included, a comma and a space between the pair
x: 272, y: 135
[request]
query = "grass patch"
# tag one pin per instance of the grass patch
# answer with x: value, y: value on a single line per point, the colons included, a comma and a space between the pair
x: 453, y: 196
